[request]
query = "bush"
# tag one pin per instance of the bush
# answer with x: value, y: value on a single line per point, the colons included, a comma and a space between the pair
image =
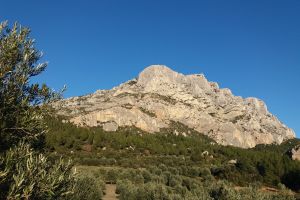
x: 149, y: 191
x: 87, y: 188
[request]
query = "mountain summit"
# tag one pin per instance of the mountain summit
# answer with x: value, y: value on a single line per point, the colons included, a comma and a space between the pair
x: 160, y: 96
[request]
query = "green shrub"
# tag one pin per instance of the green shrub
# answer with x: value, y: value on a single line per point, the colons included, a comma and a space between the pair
x: 149, y: 191
x: 87, y: 188
x: 111, y: 176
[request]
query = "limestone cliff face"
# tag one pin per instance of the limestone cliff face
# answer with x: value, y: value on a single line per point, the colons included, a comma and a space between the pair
x: 295, y: 153
x: 160, y: 95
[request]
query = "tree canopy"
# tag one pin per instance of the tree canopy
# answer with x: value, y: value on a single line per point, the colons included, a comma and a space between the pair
x: 25, y: 173
x: 20, y: 100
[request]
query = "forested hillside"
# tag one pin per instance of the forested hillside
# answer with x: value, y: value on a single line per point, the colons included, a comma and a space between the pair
x: 175, y: 165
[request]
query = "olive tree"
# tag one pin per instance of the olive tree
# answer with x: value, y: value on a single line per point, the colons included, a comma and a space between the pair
x: 25, y: 173
x: 21, y: 102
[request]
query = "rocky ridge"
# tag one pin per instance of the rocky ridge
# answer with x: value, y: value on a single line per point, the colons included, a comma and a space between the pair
x: 160, y: 96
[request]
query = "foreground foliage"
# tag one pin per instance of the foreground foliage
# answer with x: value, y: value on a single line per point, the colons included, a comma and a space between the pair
x: 20, y: 117
x: 25, y: 173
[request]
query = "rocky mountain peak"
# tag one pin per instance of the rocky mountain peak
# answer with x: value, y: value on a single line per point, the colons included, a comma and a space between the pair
x: 163, y: 80
x: 155, y: 71
x: 158, y: 74
x: 155, y: 77
x: 161, y: 96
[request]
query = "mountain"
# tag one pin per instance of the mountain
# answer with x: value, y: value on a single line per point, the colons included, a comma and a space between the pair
x: 160, y: 96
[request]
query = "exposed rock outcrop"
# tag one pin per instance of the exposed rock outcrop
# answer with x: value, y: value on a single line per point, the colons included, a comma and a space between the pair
x: 159, y: 96
x: 295, y: 153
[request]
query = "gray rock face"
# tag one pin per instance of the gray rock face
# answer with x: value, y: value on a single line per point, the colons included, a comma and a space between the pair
x: 295, y: 152
x: 110, y: 126
x: 160, y: 95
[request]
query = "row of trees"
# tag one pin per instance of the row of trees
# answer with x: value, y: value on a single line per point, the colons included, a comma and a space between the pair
x: 167, y: 183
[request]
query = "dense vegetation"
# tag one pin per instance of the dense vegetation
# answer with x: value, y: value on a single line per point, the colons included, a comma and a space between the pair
x: 163, y: 182
x: 195, y: 158
x: 26, y: 173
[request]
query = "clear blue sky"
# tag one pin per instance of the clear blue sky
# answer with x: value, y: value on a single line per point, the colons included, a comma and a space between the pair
x: 250, y: 46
